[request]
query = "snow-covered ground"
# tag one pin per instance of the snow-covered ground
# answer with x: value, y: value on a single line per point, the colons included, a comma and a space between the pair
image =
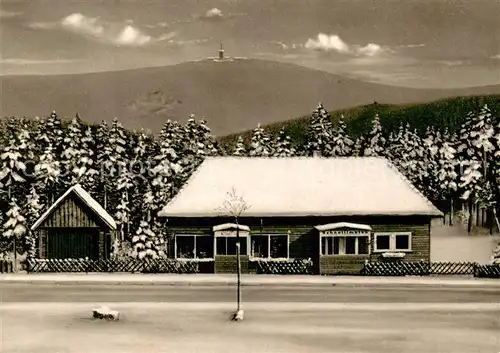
x: 454, y: 244
x: 71, y: 330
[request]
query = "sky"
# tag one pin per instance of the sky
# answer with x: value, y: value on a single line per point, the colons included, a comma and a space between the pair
x: 414, y: 43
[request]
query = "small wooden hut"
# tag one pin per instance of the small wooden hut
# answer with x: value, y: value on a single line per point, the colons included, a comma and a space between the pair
x: 75, y: 226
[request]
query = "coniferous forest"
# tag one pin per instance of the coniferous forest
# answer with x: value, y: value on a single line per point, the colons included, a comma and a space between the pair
x: 133, y: 174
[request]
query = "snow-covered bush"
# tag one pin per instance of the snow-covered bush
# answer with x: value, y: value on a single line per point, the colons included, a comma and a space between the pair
x: 495, y: 259
x: 147, y: 244
x: 461, y: 216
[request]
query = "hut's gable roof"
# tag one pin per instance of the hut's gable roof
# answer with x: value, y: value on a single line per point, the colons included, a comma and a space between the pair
x: 300, y: 186
x: 84, y: 197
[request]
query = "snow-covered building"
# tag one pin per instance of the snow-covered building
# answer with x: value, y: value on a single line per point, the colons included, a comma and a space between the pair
x: 339, y: 212
x: 75, y: 226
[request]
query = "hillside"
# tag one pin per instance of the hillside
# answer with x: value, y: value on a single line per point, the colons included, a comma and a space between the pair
x: 446, y: 113
x: 232, y: 96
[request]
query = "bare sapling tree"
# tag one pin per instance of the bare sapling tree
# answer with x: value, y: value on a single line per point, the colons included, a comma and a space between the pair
x: 234, y: 206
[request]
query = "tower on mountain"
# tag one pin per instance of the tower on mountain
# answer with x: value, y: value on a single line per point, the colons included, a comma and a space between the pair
x: 221, y: 52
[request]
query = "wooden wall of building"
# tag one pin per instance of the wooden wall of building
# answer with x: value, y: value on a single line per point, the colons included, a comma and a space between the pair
x: 72, y: 212
x: 304, y: 238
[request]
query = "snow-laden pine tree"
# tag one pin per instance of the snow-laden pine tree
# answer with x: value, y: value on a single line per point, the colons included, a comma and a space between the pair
x: 84, y: 170
x: 149, y: 241
x: 71, y: 151
x: 168, y: 168
x: 283, y: 145
x: 476, y: 152
x: 124, y: 187
x: 47, y: 172
x: 447, y: 176
x: 42, y: 139
x: 319, y: 137
x: 144, y: 149
x: 105, y: 163
x: 54, y: 133
x: 210, y: 146
x: 195, y: 146
x: 430, y: 165
x: 122, y: 215
x: 192, y: 145
x: 395, y: 147
x: 118, y: 144
x: 124, y: 180
x: 33, y: 210
x: 240, y: 149
x: 14, y: 228
x: 496, y: 170
x: 374, y: 143
x: 342, y: 144
x: 260, y: 144
x: 406, y: 151
x: 26, y: 143
x: 357, y: 149
x: 13, y: 167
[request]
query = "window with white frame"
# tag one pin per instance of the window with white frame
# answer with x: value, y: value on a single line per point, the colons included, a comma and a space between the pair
x: 271, y: 246
x: 345, y: 244
x: 395, y: 241
x: 189, y: 246
x: 226, y: 245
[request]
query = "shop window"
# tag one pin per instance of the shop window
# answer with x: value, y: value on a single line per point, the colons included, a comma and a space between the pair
x: 344, y: 245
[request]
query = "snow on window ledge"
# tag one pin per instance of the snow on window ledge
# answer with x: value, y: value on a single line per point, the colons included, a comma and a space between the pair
x: 267, y: 259
x: 393, y: 254
x: 194, y: 259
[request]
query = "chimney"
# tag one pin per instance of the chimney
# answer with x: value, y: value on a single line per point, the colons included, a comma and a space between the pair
x: 316, y: 153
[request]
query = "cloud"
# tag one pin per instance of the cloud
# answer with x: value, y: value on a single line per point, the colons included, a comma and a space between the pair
x: 83, y: 24
x: 9, y: 14
x: 158, y: 25
x: 214, y: 13
x: 411, y: 46
x: 286, y: 46
x: 329, y: 43
x: 453, y: 62
x: 371, y: 49
x: 131, y: 36
x: 119, y: 34
x: 20, y: 61
x: 326, y: 42
x: 187, y: 42
x: 281, y: 44
x: 43, y: 25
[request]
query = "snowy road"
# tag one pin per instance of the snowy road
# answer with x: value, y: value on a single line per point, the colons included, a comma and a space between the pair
x: 268, y: 327
x: 46, y: 292
x: 342, y: 318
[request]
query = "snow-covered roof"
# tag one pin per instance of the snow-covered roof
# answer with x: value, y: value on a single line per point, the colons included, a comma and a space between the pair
x: 86, y: 198
x: 332, y: 226
x: 227, y: 226
x: 300, y: 186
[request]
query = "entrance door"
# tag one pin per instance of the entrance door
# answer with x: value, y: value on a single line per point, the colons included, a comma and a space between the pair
x: 73, y: 243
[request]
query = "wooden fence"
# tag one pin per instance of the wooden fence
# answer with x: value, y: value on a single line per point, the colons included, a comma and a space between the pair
x: 292, y: 267
x: 118, y: 265
x: 401, y: 268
